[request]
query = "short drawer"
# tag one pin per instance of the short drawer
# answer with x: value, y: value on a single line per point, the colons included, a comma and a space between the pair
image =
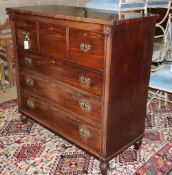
x: 71, y: 74
x: 52, y: 40
x: 86, y: 48
x: 68, y: 98
x: 64, y: 124
x: 26, y: 32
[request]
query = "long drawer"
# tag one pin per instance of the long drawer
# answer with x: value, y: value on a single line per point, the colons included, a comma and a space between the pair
x: 71, y: 74
x: 87, y: 107
x: 63, y: 123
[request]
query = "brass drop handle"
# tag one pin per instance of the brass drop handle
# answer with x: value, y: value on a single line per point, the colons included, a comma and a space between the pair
x: 26, y: 36
x: 85, y: 106
x: 28, y: 61
x: 29, y: 81
x: 85, y: 80
x: 30, y: 104
x: 85, y: 47
x: 84, y: 132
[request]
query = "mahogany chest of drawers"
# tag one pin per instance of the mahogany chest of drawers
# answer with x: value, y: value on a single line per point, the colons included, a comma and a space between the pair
x: 84, y: 74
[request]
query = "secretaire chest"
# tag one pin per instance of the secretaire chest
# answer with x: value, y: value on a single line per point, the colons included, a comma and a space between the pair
x: 84, y: 74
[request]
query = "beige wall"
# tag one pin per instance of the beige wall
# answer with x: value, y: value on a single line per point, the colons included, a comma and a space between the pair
x: 15, y: 3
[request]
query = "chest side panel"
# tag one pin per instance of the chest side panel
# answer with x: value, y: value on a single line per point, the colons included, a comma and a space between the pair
x: 129, y: 78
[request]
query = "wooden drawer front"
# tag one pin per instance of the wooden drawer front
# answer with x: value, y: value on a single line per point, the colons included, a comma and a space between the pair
x: 71, y: 74
x: 26, y: 31
x: 86, y: 48
x: 75, y: 130
x: 68, y: 98
x: 52, y: 40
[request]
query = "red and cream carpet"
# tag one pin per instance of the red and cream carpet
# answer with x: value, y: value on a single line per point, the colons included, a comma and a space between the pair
x: 30, y: 149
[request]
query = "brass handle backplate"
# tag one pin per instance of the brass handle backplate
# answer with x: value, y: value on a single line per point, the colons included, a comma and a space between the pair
x: 28, y: 60
x: 29, y: 81
x: 30, y: 104
x: 84, y: 132
x: 85, y: 47
x: 85, y: 106
x: 26, y: 36
x: 85, y: 80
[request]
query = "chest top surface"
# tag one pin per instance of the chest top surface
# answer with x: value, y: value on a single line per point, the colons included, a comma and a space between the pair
x: 77, y: 14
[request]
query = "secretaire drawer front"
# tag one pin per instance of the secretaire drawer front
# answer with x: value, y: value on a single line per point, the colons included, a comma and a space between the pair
x: 86, y: 48
x: 61, y: 122
x: 69, y: 99
x: 26, y: 34
x: 71, y: 74
x: 52, y: 40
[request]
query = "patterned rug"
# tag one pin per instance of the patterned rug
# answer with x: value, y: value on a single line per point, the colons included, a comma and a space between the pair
x: 30, y: 149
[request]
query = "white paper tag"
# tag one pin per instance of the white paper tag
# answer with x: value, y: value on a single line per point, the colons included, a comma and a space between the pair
x: 26, y: 44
